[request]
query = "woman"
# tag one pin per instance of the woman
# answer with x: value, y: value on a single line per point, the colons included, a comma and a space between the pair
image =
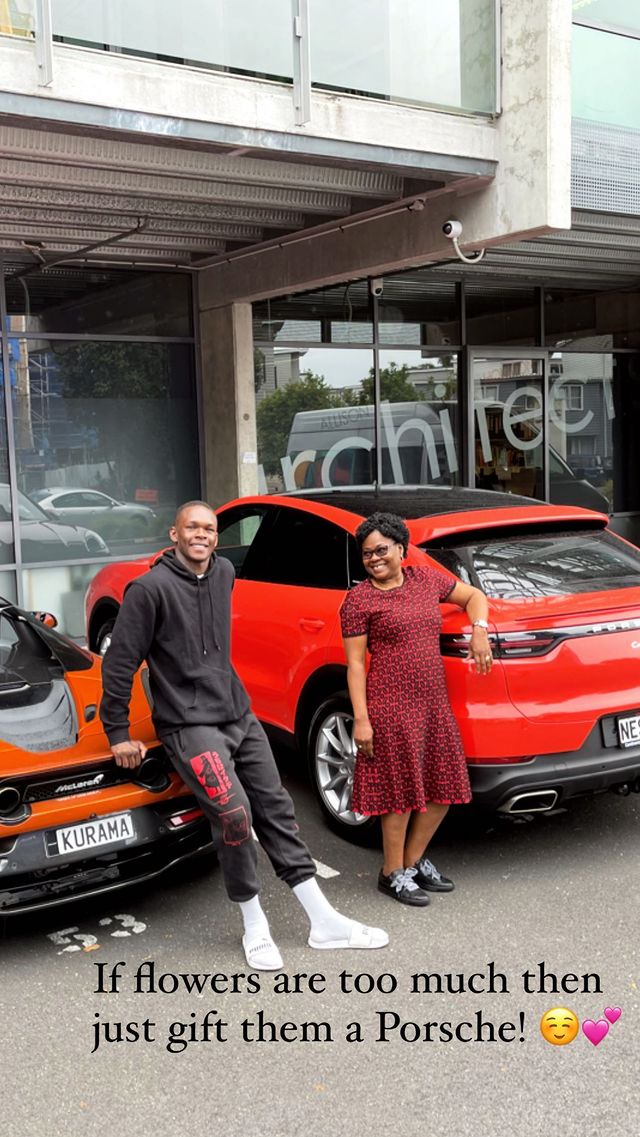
x: 410, y: 766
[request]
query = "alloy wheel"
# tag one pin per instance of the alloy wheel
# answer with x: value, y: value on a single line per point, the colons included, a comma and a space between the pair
x: 335, y: 756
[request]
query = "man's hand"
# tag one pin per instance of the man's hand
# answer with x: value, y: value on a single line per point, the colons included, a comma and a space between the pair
x: 129, y: 754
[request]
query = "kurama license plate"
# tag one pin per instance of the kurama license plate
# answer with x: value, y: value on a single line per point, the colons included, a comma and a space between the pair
x: 629, y: 731
x: 87, y: 836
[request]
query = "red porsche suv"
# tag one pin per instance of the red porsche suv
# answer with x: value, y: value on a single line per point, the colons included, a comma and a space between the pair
x: 560, y: 713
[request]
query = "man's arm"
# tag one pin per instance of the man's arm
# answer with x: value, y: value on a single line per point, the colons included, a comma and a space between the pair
x: 130, y: 642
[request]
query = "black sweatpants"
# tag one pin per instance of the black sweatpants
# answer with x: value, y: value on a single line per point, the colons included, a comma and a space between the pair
x: 232, y: 772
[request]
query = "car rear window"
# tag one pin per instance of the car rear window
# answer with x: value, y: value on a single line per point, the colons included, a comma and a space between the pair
x: 512, y: 567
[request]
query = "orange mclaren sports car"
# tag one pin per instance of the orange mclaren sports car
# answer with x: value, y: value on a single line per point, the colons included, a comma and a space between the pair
x: 72, y: 823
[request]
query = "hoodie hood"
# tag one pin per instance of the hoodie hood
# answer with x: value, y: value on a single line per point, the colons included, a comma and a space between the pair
x: 171, y: 561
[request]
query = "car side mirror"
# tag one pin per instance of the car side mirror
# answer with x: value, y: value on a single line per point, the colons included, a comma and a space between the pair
x: 46, y: 618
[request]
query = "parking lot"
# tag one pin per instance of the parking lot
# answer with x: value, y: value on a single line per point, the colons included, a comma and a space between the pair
x: 560, y: 892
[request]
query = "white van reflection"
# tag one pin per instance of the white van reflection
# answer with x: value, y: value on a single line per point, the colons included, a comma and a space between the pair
x: 335, y: 447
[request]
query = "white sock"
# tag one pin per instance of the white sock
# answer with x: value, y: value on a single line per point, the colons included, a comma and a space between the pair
x: 327, y: 924
x: 259, y: 948
x: 254, y: 920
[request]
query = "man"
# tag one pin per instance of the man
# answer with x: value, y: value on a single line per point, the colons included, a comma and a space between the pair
x: 177, y: 616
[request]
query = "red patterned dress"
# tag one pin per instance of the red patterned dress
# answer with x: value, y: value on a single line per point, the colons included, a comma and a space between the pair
x: 417, y: 750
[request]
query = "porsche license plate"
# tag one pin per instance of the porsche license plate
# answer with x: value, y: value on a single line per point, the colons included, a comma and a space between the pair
x: 629, y: 731
x: 89, y: 835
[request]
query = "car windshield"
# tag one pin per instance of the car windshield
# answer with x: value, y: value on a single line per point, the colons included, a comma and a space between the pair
x: 29, y: 511
x: 521, y: 566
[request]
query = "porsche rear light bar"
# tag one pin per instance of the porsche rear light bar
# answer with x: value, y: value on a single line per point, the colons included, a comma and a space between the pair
x: 518, y: 645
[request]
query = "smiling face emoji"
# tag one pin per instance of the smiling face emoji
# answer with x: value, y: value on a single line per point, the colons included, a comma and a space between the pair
x: 559, y: 1026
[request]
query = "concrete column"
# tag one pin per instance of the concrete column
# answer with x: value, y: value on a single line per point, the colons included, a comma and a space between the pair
x: 228, y: 403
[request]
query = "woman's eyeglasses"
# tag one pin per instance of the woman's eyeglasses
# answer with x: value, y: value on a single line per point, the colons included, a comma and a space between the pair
x: 379, y: 551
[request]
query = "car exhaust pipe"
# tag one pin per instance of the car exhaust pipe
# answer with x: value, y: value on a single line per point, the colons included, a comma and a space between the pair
x: 535, y: 801
x: 152, y: 775
x: 12, y: 808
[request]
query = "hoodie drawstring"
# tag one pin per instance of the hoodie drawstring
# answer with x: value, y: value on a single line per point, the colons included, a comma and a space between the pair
x: 204, y: 646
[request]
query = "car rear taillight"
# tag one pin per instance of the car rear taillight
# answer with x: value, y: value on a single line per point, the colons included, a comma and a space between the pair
x: 177, y: 820
x: 510, y: 645
x: 506, y: 645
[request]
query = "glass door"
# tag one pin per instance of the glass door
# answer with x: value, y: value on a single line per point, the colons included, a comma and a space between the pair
x: 508, y: 405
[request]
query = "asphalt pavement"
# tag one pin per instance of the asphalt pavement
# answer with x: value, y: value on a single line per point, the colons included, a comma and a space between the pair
x: 137, y: 1014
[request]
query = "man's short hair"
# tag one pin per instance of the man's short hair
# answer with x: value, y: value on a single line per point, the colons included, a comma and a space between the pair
x: 189, y: 504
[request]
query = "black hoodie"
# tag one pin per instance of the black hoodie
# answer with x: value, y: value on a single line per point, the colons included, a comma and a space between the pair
x: 180, y: 623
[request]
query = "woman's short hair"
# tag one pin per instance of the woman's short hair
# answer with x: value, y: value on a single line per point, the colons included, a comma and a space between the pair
x: 389, y: 524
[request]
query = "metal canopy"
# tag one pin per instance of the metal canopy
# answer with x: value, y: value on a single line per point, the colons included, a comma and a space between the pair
x: 100, y: 197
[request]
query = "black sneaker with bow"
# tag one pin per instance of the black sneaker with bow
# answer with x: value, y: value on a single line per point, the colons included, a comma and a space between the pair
x: 401, y: 886
x: 429, y: 879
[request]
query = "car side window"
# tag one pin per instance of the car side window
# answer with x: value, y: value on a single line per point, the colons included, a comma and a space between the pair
x: 237, y: 531
x: 301, y: 550
x: 97, y: 500
x: 67, y: 501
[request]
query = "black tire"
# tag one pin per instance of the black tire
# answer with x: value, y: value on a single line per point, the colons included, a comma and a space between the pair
x: 331, y: 760
x: 104, y: 634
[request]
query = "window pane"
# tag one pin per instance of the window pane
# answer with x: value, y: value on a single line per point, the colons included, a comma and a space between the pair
x: 17, y: 381
x: 413, y: 309
x: 252, y: 36
x: 612, y: 13
x: 315, y: 426
x: 118, y: 418
x: 8, y: 587
x: 419, y: 418
x: 581, y: 413
x: 59, y: 590
x: 98, y: 300
x: 615, y: 60
x: 594, y: 321
x: 379, y: 47
x: 508, y: 425
x: 502, y: 314
x: 340, y: 314
x: 18, y: 18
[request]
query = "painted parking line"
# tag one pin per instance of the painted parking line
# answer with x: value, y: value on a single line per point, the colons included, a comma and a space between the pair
x: 324, y: 871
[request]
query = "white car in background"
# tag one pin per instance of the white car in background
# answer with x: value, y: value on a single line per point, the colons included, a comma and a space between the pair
x: 92, y: 507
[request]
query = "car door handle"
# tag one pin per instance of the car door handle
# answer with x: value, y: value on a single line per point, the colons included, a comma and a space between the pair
x: 308, y: 625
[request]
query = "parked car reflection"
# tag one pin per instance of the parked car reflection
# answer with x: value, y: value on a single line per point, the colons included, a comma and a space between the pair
x: 44, y: 539
x: 112, y: 518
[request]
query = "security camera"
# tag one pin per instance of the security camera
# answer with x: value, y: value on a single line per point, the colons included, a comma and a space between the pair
x: 375, y: 286
x: 452, y: 229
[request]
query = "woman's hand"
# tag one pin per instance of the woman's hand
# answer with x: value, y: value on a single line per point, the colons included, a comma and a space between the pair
x: 480, y: 651
x: 363, y: 737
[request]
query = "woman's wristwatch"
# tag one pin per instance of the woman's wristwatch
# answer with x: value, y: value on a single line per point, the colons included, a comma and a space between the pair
x: 480, y: 624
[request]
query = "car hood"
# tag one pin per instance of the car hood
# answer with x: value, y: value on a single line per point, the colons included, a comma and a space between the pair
x: 49, y: 540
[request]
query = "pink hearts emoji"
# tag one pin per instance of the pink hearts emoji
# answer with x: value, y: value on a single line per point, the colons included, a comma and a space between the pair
x: 613, y: 1013
x: 595, y: 1032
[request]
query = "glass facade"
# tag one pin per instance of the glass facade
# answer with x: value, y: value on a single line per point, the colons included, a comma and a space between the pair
x: 98, y: 425
x: 533, y: 390
x: 375, y: 48
x: 605, y: 61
